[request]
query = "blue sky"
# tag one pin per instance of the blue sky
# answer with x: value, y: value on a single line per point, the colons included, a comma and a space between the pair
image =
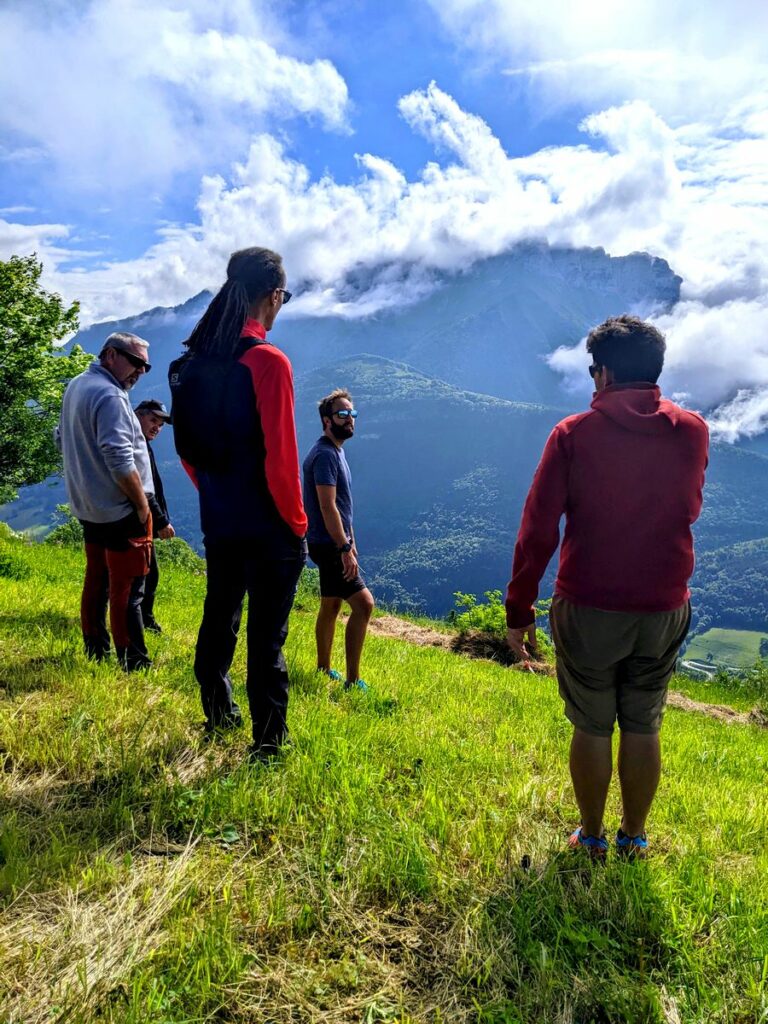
x: 141, y: 142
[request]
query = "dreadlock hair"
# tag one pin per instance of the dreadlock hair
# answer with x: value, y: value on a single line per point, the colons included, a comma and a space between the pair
x: 251, y: 274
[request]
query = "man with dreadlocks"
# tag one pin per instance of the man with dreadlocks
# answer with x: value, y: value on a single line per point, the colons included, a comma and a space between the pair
x: 233, y: 416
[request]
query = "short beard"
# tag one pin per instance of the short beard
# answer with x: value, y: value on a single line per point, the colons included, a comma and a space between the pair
x: 340, y: 433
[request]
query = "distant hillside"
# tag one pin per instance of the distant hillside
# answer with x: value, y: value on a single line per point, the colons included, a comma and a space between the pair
x: 730, y: 588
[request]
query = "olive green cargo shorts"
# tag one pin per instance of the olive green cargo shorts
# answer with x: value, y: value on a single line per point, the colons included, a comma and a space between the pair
x: 615, y: 665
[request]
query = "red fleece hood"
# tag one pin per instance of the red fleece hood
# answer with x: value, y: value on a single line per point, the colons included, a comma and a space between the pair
x: 637, y: 407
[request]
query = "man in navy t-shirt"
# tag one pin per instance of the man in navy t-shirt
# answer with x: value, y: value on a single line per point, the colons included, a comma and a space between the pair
x: 331, y: 538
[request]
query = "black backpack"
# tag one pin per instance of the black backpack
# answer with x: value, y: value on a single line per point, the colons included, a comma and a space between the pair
x: 200, y: 387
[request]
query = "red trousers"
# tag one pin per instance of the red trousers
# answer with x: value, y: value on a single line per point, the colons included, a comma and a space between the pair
x: 115, y: 568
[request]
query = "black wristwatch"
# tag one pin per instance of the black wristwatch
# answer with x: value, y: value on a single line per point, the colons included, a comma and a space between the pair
x: 345, y: 548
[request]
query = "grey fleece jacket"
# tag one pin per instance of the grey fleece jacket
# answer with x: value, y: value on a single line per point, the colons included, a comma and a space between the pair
x: 100, y: 440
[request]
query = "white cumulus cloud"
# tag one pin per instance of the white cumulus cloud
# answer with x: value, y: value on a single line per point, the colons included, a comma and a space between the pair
x: 122, y: 95
x: 688, y: 59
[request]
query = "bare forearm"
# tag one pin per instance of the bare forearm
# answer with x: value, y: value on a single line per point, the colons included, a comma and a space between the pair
x: 333, y: 524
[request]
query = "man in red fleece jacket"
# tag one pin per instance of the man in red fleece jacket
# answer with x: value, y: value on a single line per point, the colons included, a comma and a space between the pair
x: 628, y: 476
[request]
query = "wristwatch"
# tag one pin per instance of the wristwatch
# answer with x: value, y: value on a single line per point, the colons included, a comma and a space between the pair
x: 344, y: 548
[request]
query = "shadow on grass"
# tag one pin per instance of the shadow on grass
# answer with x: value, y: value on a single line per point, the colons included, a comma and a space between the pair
x: 57, y: 622
x: 52, y: 828
x: 26, y: 675
x: 572, y: 940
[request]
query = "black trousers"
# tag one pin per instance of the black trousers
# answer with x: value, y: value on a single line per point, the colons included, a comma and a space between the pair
x: 150, y: 588
x: 268, y: 572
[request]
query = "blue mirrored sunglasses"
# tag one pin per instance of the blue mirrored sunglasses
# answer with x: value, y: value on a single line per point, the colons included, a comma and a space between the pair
x: 344, y: 414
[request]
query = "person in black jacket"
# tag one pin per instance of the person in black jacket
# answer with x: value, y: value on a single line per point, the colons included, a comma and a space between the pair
x: 152, y: 416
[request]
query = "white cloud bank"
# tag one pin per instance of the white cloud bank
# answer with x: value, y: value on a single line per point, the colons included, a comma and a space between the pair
x: 693, y: 190
x: 703, y: 69
x: 689, y: 59
x: 122, y: 95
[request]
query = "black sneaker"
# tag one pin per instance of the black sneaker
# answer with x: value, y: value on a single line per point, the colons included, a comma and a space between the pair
x: 96, y: 650
x: 223, y: 725
x: 132, y: 662
x: 151, y: 623
x: 267, y: 753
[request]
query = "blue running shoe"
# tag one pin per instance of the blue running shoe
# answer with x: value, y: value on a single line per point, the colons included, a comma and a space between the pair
x: 357, y: 684
x: 632, y: 847
x: 595, y: 846
x: 332, y: 674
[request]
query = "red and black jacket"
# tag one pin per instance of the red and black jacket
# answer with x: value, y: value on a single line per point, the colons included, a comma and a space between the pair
x: 258, y: 495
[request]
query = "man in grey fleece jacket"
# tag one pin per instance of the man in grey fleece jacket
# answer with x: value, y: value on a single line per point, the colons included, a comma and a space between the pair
x: 110, y: 489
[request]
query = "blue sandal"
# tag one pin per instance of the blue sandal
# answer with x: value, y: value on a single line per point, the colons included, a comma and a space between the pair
x: 356, y: 684
x: 632, y: 846
x: 595, y: 846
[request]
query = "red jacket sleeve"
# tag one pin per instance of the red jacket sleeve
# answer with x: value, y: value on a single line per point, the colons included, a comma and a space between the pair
x: 191, y: 473
x: 273, y: 386
x: 539, y: 532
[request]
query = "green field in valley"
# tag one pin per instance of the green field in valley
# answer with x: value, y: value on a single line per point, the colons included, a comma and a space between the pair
x: 737, y: 648
x: 402, y: 862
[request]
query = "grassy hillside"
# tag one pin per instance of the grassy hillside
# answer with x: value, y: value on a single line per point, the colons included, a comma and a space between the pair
x: 402, y: 863
x: 738, y: 648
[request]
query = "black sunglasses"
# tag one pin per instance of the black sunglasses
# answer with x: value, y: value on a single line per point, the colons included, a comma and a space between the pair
x: 286, y: 294
x: 594, y: 369
x: 344, y: 414
x: 135, y: 361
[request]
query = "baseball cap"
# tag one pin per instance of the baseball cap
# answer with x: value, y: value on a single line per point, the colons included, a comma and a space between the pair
x: 154, y: 405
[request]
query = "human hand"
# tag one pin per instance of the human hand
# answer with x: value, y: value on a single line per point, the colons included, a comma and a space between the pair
x: 166, y: 533
x: 349, y: 565
x: 516, y: 641
x: 143, y: 513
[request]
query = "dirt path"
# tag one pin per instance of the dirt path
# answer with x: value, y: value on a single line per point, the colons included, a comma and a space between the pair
x: 401, y: 629
x: 719, y: 711
x: 475, y: 645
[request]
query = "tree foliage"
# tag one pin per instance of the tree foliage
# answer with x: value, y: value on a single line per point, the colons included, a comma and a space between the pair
x: 730, y: 588
x: 33, y: 373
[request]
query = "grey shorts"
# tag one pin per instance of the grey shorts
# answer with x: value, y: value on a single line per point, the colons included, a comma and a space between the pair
x: 615, y: 666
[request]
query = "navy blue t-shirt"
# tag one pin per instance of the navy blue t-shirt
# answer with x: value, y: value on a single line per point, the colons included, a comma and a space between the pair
x: 326, y: 465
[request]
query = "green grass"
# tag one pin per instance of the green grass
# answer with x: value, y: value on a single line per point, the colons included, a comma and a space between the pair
x: 402, y: 863
x: 737, y: 648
